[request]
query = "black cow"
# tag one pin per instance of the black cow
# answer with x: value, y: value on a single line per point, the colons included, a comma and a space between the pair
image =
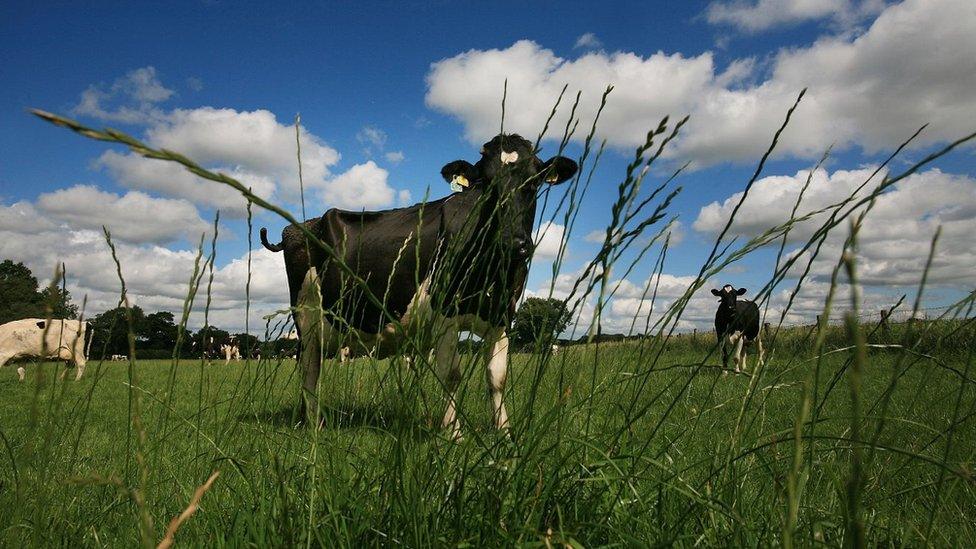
x: 736, y: 324
x: 440, y: 267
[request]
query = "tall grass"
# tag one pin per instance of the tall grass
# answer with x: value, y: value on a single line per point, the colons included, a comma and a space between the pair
x: 638, y: 443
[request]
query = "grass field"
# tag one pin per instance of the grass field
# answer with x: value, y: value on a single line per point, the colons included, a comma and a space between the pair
x: 848, y: 436
x: 607, y: 450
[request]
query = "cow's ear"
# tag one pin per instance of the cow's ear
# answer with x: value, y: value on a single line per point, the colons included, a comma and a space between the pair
x: 740, y: 291
x: 459, y: 173
x: 716, y: 293
x: 558, y: 169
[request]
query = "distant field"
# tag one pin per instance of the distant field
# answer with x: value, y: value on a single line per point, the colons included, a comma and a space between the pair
x: 605, y: 450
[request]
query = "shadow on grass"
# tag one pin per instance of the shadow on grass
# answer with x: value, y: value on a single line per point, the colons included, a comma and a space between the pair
x: 349, y: 416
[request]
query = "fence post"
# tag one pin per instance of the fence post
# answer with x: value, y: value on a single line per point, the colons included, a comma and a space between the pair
x: 885, y: 328
x: 766, y: 329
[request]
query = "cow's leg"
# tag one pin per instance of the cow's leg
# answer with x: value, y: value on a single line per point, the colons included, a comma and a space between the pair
x: 308, y: 317
x: 21, y: 373
x: 79, y: 359
x: 497, y: 374
x: 726, y: 341
x: 449, y: 372
x: 740, y: 354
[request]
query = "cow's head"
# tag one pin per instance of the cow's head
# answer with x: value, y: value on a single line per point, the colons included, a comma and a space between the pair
x: 727, y: 296
x: 510, y: 174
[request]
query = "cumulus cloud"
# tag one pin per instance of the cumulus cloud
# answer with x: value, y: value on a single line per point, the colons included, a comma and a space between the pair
x: 588, y: 41
x: 895, y: 238
x: 404, y: 197
x: 760, y: 15
x: 632, y: 306
x: 135, y: 216
x: 869, y: 90
x: 156, y: 277
x: 134, y: 95
x: 251, y: 146
x: 548, y: 238
x: 363, y: 186
x: 21, y: 217
x: 167, y: 178
x: 253, y: 141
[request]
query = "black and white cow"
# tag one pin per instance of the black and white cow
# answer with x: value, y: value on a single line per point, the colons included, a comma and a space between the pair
x: 737, y: 325
x: 454, y: 264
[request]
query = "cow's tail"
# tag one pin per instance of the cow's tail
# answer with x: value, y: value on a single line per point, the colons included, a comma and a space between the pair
x: 268, y: 245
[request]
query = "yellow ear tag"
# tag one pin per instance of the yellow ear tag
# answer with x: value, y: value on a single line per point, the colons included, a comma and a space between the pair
x: 552, y: 178
x: 458, y: 182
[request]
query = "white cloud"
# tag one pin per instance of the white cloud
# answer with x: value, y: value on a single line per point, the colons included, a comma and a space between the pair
x: 372, y: 137
x: 253, y: 141
x: 363, y: 186
x: 596, y: 236
x: 548, y: 238
x: 156, y: 277
x: 171, y: 179
x: 760, y: 15
x: 251, y: 146
x: 254, y: 148
x: 895, y: 238
x: 870, y: 90
x: 22, y: 217
x: 136, y: 94
x: 588, y: 41
x: 404, y: 197
x: 135, y: 216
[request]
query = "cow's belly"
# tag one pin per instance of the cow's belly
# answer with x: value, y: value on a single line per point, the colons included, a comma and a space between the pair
x: 392, y: 339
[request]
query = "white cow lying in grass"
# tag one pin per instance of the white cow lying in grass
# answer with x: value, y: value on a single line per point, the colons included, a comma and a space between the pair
x: 37, y: 337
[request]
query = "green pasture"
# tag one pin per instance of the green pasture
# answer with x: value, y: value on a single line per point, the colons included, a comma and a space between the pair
x: 611, y: 445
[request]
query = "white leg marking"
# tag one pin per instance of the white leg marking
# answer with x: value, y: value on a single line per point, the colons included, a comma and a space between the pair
x: 497, y: 375
x: 309, y: 318
x: 739, y: 351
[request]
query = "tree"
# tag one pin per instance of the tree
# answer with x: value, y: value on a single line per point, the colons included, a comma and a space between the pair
x: 60, y: 302
x: 19, y: 297
x: 539, y: 320
x: 110, y: 331
x: 246, y: 343
x: 159, y: 331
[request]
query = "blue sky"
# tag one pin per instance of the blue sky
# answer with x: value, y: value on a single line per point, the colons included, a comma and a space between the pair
x: 390, y: 92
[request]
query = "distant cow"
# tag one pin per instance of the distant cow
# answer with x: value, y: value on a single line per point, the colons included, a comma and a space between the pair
x: 37, y: 337
x: 454, y: 264
x: 120, y: 357
x: 230, y: 351
x: 737, y: 325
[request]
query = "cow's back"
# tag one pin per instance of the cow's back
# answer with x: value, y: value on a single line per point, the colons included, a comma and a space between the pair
x: 392, y: 251
x: 27, y: 336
